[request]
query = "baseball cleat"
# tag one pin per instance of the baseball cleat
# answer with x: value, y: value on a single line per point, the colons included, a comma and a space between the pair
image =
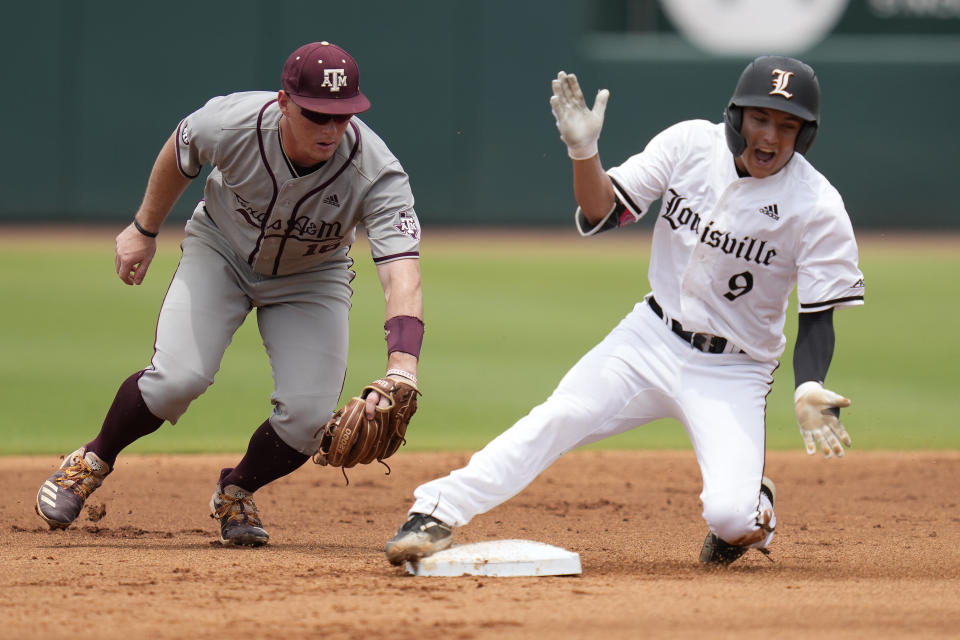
x: 767, y: 486
x: 61, y: 496
x: 240, y: 523
x: 717, y: 552
x: 421, y: 535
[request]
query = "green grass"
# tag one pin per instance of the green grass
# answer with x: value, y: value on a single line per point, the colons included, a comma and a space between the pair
x: 505, y: 320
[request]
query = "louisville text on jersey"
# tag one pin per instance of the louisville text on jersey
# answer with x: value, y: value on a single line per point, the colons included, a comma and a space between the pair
x: 747, y: 248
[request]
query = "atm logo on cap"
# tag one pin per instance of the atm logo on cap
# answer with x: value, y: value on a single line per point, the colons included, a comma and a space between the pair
x: 780, y: 81
x: 334, y: 78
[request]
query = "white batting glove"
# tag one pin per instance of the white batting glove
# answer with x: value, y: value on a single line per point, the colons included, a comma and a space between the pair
x: 579, y: 126
x: 818, y: 425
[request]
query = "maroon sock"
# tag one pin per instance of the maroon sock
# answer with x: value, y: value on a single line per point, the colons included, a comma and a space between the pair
x: 127, y: 420
x: 267, y: 458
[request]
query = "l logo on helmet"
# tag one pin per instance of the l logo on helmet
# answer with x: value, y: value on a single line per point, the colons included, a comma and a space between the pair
x: 780, y: 81
x: 334, y: 78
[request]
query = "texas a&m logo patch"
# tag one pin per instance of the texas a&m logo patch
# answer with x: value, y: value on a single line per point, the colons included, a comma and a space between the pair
x: 407, y: 223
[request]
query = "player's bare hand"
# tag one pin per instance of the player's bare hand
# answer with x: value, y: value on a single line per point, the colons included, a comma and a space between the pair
x: 817, y: 411
x: 579, y: 126
x: 134, y: 253
x: 373, y: 399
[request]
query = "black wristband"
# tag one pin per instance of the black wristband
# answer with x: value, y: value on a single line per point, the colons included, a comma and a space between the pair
x: 149, y: 234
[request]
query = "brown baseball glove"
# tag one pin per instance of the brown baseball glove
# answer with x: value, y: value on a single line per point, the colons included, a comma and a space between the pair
x: 349, y: 438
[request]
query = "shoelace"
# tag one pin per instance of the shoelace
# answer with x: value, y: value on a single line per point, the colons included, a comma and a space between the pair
x: 238, y: 509
x: 75, y: 478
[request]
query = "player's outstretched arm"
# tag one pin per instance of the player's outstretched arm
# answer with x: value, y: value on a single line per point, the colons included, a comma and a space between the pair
x: 373, y: 425
x: 403, y: 302
x: 136, y: 244
x: 580, y: 130
x: 579, y: 126
x: 817, y: 410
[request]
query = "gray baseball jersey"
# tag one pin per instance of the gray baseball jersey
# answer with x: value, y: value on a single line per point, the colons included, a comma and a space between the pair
x: 265, y: 237
x: 282, y: 223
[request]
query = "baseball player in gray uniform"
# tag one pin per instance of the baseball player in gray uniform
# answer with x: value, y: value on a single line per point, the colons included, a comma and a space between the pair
x: 294, y: 174
x: 744, y: 218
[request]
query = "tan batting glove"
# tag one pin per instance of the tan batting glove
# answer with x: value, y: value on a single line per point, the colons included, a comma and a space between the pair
x: 579, y: 126
x: 818, y: 425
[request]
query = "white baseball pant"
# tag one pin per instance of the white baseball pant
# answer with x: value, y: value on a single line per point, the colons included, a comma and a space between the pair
x: 640, y: 372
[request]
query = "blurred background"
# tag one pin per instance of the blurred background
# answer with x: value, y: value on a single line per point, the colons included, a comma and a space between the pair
x: 460, y: 92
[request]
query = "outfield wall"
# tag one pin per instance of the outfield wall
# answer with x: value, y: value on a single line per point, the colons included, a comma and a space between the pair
x: 460, y: 92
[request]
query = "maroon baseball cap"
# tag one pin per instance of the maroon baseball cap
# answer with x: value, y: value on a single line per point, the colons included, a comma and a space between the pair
x: 323, y: 77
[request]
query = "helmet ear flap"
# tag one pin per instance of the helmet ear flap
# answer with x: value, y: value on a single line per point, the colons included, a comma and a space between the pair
x: 805, y: 137
x: 733, y: 119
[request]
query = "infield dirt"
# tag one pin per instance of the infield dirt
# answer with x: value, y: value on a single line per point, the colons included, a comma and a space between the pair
x: 866, y: 546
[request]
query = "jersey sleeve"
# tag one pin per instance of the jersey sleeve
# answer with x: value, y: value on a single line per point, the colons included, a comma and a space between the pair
x: 198, y: 136
x: 624, y: 212
x: 392, y: 226
x: 640, y: 180
x: 827, y: 272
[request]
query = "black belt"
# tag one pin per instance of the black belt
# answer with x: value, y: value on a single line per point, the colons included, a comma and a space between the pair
x: 705, y: 342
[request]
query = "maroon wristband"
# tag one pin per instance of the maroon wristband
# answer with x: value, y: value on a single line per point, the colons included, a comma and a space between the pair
x: 404, y: 333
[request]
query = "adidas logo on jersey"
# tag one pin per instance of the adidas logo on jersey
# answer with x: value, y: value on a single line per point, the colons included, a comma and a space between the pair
x: 332, y: 200
x: 771, y: 210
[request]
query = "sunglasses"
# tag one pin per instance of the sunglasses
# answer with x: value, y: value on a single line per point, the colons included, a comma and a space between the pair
x: 323, y: 118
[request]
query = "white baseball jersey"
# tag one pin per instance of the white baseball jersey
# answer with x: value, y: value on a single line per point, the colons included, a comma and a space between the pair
x: 282, y: 223
x: 727, y: 251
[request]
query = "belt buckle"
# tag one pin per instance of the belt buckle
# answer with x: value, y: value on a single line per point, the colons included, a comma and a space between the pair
x: 704, y: 342
x: 719, y: 345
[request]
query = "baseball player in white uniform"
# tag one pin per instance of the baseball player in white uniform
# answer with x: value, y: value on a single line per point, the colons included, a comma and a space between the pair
x: 294, y: 173
x: 744, y: 218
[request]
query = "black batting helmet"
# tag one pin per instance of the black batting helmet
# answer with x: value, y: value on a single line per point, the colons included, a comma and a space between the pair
x: 775, y: 82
